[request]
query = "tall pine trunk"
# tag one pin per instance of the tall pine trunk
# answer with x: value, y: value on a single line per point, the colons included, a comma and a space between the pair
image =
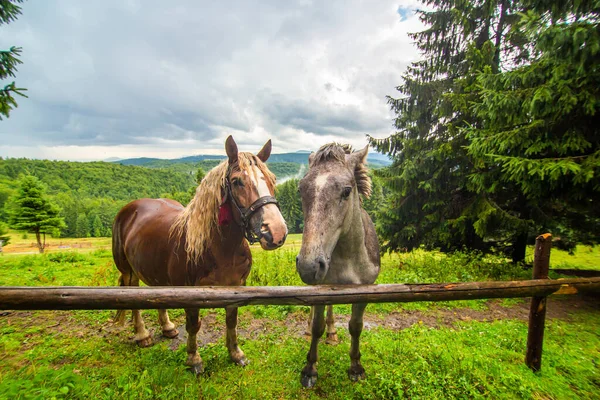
x: 39, y: 241
x: 519, y: 247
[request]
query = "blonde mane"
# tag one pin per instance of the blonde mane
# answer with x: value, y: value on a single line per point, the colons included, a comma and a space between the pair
x: 337, y: 152
x: 199, y: 220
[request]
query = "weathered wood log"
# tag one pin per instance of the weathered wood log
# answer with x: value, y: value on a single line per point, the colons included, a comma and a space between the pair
x: 98, y: 298
x: 537, y: 311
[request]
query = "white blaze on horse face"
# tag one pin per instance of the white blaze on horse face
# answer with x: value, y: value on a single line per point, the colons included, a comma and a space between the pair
x: 324, y: 227
x: 320, y: 182
x: 259, y: 182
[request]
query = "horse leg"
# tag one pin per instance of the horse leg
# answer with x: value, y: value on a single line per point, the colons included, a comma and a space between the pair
x: 332, y: 337
x: 192, y: 326
x: 236, y: 354
x: 355, y: 326
x: 168, y: 328
x: 308, y: 331
x: 309, y: 373
x: 142, y: 336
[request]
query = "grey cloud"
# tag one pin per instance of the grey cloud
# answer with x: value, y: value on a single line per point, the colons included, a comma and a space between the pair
x: 318, y: 118
x: 133, y: 72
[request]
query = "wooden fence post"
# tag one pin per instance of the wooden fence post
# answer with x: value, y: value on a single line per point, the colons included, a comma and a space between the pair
x: 537, y: 312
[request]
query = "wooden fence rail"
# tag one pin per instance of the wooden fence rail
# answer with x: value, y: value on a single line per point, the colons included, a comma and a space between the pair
x: 101, y: 298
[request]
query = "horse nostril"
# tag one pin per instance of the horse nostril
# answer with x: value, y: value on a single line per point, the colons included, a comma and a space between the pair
x: 322, y: 265
x: 264, y: 228
x: 282, y: 241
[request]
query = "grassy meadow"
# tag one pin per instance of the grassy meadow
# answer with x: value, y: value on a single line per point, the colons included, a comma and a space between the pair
x: 462, y: 349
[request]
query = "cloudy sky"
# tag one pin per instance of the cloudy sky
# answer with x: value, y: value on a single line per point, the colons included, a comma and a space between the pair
x: 133, y: 78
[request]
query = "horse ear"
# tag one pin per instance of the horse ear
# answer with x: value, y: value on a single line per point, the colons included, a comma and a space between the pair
x: 231, y: 150
x: 265, y: 152
x: 357, y: 158
x: 311, y: 157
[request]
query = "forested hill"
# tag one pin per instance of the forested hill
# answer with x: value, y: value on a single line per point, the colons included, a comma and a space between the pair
x: 96, y: 179
x: 375, y: 160
x: 300, y: 158
x: 90, y: 194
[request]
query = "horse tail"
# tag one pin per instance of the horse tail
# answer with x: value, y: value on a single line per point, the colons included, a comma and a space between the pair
x: 120, y: 314
x: 120, y: 259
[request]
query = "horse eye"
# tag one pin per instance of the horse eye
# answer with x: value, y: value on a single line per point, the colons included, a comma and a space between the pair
x: 238, y: 182
x: 347, y: 191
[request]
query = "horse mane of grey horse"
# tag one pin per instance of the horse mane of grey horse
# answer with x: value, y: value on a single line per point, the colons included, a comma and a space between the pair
x: 339, y: 243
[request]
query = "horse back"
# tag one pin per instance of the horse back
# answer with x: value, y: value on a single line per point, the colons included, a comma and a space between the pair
x: 142, y: 242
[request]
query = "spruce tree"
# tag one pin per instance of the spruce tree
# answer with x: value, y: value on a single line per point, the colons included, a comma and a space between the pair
x: 497, y: 136
x: 82, y: 226
x: 9, y: 60
x: 4, y: 238
x: 540, y: 125
x: 291, y: 205
x: 32, y: 211
x: 96, y: 227
x: 429, y: 201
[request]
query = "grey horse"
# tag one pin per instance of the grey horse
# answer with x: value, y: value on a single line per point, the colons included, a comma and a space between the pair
x: 339, y: 243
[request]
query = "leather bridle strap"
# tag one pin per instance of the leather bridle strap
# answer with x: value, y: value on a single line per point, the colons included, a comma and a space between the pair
x: 246, y: 213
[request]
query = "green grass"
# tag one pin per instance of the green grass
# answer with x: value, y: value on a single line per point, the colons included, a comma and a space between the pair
x: 584, y: 257
x: 79, y: 355
x: 468, y: 360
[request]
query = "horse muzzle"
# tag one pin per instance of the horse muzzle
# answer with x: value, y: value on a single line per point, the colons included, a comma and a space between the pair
x: 312, y: 271
x: 267, y: 239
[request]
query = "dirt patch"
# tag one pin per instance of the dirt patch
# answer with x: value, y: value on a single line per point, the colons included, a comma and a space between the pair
x: 213, y: 331
x: 557, y: 308
x: 582, y: 273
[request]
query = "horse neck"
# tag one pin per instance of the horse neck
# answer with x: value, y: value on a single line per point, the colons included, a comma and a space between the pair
x: 227, y: 238
x: 224, y: 242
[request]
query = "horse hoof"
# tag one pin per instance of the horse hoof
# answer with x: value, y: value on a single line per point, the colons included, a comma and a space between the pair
x: 146, y: 342
x: 242, y: 362
x: 171, y: 334
x: 197, y: 369
x: 332, y: 339
x: 356, y: 374
x: 308, y: 381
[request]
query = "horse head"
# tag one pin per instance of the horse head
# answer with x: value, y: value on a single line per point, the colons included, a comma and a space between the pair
x: 249, y: 186
x: 331, y: 205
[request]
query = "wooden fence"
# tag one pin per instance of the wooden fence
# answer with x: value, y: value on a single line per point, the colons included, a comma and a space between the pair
x: 92, y: 298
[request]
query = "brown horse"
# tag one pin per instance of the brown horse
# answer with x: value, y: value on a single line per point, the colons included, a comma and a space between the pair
x: 339, y: 245
x: 162, y: 243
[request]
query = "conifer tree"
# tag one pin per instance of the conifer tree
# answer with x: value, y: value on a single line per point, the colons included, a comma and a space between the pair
x: 291, y: 205
x: 82, y: 226
x: 96, y: 227
x: 497, y: 136
x: 9, y: 59
x: 4, y: 238
x: 429, y: 201
x: 540, y: 125
x: 32, y: 211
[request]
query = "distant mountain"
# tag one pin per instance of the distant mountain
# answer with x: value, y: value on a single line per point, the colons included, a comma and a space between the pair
x: 376, y: 160
x: 137, y: 161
